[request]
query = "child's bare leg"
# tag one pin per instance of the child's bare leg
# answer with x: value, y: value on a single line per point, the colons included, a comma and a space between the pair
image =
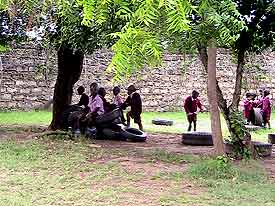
x: 128, y: 119
x: 190, y: 126
x: 195, y: 125
x: 140, y: 126
x: 268, y: 123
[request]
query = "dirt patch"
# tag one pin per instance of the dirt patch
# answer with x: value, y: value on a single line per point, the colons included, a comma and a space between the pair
x: 168, y: 142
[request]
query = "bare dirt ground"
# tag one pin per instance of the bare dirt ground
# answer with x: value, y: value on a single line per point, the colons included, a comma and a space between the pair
x: 166, y: 142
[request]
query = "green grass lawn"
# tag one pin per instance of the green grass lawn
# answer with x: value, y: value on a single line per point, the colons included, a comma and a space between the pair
x: 179, y: 118
x: 46, y: 172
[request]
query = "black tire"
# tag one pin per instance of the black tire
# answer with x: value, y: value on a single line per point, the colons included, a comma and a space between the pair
x: 263, y: 149
x: 133, y: 135
x: 258, y: 120
x: 162, y: 122
x: 112, y: 135
x: 65, y: 115
x: 108, y: 117
x: 271, y: 138
x: 197, y: 138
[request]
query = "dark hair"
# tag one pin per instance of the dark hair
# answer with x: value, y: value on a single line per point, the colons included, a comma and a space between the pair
x: 81, y: 89
x: 94, y: 84
x: 248, y: 94
x: 194, y: 92
x: 116, y: 88
x: 101, y: 91
x: 266, y: 92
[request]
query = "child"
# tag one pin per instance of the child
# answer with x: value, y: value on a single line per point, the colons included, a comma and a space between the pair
x: 191, y: 105
x: 95, y: 107
x: 134, y: 101
x: 117, y: 100
x: 84, y: 99
x: 248, y: 106
x: 107, y: 106
x: 266, y: 108
x: 95, y: 104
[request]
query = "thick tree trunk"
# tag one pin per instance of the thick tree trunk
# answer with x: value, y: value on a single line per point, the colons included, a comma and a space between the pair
x: 70, y: 65
x: 213, y: 103
x: 204, y: 59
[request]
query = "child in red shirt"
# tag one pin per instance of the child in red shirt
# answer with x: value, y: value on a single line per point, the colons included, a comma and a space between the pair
x: 191, y: 105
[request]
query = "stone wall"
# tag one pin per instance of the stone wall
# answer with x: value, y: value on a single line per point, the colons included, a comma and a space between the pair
x: 28, y: 78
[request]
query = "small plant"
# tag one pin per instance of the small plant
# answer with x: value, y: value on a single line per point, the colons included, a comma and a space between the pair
x: 218, y: 168
x: 241, y: 139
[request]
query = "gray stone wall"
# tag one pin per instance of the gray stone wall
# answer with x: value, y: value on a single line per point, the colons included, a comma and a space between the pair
x: 28, y: 78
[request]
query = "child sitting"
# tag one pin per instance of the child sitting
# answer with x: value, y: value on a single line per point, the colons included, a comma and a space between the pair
x: 134, y: 101
x: 191, y: 105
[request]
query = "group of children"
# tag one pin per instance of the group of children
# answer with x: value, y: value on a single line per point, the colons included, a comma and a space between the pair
x: 96, y: 105
x: 253, y: 101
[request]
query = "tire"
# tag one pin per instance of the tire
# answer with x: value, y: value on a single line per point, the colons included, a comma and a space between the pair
x: 271, y: 138
x: 162, y: 122
x: 197, y: 138
x: 108, y: 117
x: 112, y: 135
x: 133, y: 135
x: 258, y: 121
x: 263, y: 149
x: 65, y: 115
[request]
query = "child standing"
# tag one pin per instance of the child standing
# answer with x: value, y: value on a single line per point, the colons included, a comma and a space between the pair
x: 134, y: 101
x: 248, y: 105
x: 191, y: 105
x: 117, y: 100
x: 266, y: 108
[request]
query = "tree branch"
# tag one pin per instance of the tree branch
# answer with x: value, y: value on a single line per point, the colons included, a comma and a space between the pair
x: 238, y: 83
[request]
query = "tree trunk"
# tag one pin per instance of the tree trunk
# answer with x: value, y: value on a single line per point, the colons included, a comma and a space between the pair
x: 70, y: 65
x: 213, y: 102
x: 204, y: 59
x: 238, y: 83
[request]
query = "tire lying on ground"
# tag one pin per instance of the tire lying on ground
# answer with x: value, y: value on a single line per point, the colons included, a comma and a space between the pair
x: 263, y: 149
x: 271, y: 138
x: 65, y: 115
x: 108, y: 133
x: 258, y: 121
x: 133, y: 135
x: 108, y: 117
x: 197, y: 138
x: 162, y: 122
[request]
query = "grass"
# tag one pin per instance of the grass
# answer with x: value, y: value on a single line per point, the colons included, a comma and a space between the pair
x: 179, y: 118
x: 52, y: 171
x: 244, y: 184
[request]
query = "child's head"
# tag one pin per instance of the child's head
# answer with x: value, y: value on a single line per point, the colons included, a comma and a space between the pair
x: 195, y: 94
x: 249, y: 95
x: 131, y: 89
x: 266, y: 93
x: 94, y: 88
x: 80, y: 90
x: 116, y: 90
x: 261, y: 92
x: 101, y: 92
